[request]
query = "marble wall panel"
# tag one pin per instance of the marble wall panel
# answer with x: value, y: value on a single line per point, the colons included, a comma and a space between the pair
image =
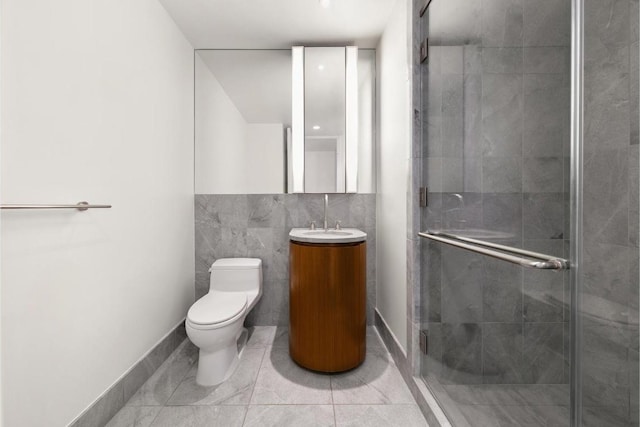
x: 502, y: 353
x: 610, y: 272
x: 502, y: 23
x: 257, y: 225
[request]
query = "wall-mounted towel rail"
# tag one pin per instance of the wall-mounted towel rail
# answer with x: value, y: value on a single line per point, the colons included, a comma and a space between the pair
x: 510, y: 254
x: 81, y: 206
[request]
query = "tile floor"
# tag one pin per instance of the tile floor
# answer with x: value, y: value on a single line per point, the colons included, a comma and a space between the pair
x: 492, y: 405
x: 268, y: 389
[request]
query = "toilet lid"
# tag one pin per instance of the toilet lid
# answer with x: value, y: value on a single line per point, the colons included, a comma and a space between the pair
x: 217, y: 307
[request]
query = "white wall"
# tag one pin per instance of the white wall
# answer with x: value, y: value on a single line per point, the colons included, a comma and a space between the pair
x: 265, y: 154
x: 225, y: 140
x: 220, y: 134
x: 320, y: 171
x: 393, y: 168
x: 97, y: 105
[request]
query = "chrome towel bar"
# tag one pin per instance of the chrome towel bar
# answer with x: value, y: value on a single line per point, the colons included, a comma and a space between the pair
x: 81, y: 206
x: 510, y: 254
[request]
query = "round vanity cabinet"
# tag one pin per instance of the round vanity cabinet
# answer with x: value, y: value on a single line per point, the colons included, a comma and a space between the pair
x: 327, y: 305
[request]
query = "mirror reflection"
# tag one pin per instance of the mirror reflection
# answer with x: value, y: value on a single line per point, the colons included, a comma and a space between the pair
x: 324, y: 119
x: 243, y: 122
x: 242, y: 112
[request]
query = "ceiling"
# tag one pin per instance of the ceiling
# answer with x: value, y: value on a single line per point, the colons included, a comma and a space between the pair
x: 279, y: 24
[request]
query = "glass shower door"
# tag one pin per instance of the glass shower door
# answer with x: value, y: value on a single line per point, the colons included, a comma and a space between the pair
x: 496, y: 147
x: 530, y: 140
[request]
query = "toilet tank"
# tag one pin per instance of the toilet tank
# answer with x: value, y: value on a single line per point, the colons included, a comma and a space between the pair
x: 236, y: 274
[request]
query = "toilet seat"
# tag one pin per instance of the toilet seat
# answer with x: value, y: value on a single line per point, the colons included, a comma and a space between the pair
x: 217, y: 309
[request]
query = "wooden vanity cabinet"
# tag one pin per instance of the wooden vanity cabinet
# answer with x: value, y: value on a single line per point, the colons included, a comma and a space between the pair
x: 327, y: 305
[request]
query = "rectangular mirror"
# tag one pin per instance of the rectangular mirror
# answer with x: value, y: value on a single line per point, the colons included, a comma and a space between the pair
x: 324, y: 120
x: 333, y: 120
x: 247, y: 103
x: 242, y: 112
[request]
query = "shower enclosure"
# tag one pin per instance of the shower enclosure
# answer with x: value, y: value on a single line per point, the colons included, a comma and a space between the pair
x: 530, y: 141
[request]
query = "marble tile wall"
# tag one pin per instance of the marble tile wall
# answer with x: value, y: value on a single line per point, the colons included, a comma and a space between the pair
x: 258, y: 225
x: 495, y: 158
x: 610, y: 274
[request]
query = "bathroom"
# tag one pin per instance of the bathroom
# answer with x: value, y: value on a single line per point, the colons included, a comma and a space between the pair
x: 486, y: 129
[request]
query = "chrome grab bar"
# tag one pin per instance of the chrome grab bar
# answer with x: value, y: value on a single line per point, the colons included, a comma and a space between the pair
x: 510, y: 254
x: 81, y: 206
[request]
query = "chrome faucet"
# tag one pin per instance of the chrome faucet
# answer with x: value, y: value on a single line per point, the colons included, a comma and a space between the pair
x: 326, y: 208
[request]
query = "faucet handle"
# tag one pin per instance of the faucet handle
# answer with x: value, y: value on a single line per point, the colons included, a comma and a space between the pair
x: 338, y: 226
x: 313, y: 225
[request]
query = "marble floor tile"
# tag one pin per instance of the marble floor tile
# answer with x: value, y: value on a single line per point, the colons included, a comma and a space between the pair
x: 510, y: 416
x: 235, y: 391
x: 278, y: 336
x: 159, y: 388
x: 261, y: 336
x: 265, y: 336
x: 379, y: 416
x: 609, y: 417
x: 289, y: 416
x: 269, y: 389
x: 281, y: 340
x: 135, y: 416
x: 509, y: 395
x: 374, y: 341
x: 200, y: 416
x: 376, y: 381
x: 280, y: 381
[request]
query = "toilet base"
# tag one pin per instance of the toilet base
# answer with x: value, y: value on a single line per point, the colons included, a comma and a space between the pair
x: 215, y: 367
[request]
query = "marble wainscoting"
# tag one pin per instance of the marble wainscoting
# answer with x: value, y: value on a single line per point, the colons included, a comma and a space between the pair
x: 113, y: 400
x: 258, y: 225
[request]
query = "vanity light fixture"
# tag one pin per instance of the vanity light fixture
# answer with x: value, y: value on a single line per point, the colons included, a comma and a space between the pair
x: 297, y: 118
x: 351, y: 118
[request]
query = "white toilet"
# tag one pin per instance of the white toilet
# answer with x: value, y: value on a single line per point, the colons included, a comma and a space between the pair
x: 214, y: 322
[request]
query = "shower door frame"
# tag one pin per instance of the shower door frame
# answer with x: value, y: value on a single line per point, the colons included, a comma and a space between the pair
x: 576, y: 208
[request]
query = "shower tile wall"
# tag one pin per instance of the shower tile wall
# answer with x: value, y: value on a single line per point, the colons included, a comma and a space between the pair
x: 496, y: 158
x: 258, y: 225
x: 610, y: 274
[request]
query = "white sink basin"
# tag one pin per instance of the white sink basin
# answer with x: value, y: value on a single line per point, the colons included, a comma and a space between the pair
x: 345, y: 235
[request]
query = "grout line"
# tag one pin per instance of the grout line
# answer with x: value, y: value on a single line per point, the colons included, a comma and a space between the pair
x: 333, y: 403
x: 156, y: 417
x: 246, y: 412
x: 386, y: 405
x: 266, y: 350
